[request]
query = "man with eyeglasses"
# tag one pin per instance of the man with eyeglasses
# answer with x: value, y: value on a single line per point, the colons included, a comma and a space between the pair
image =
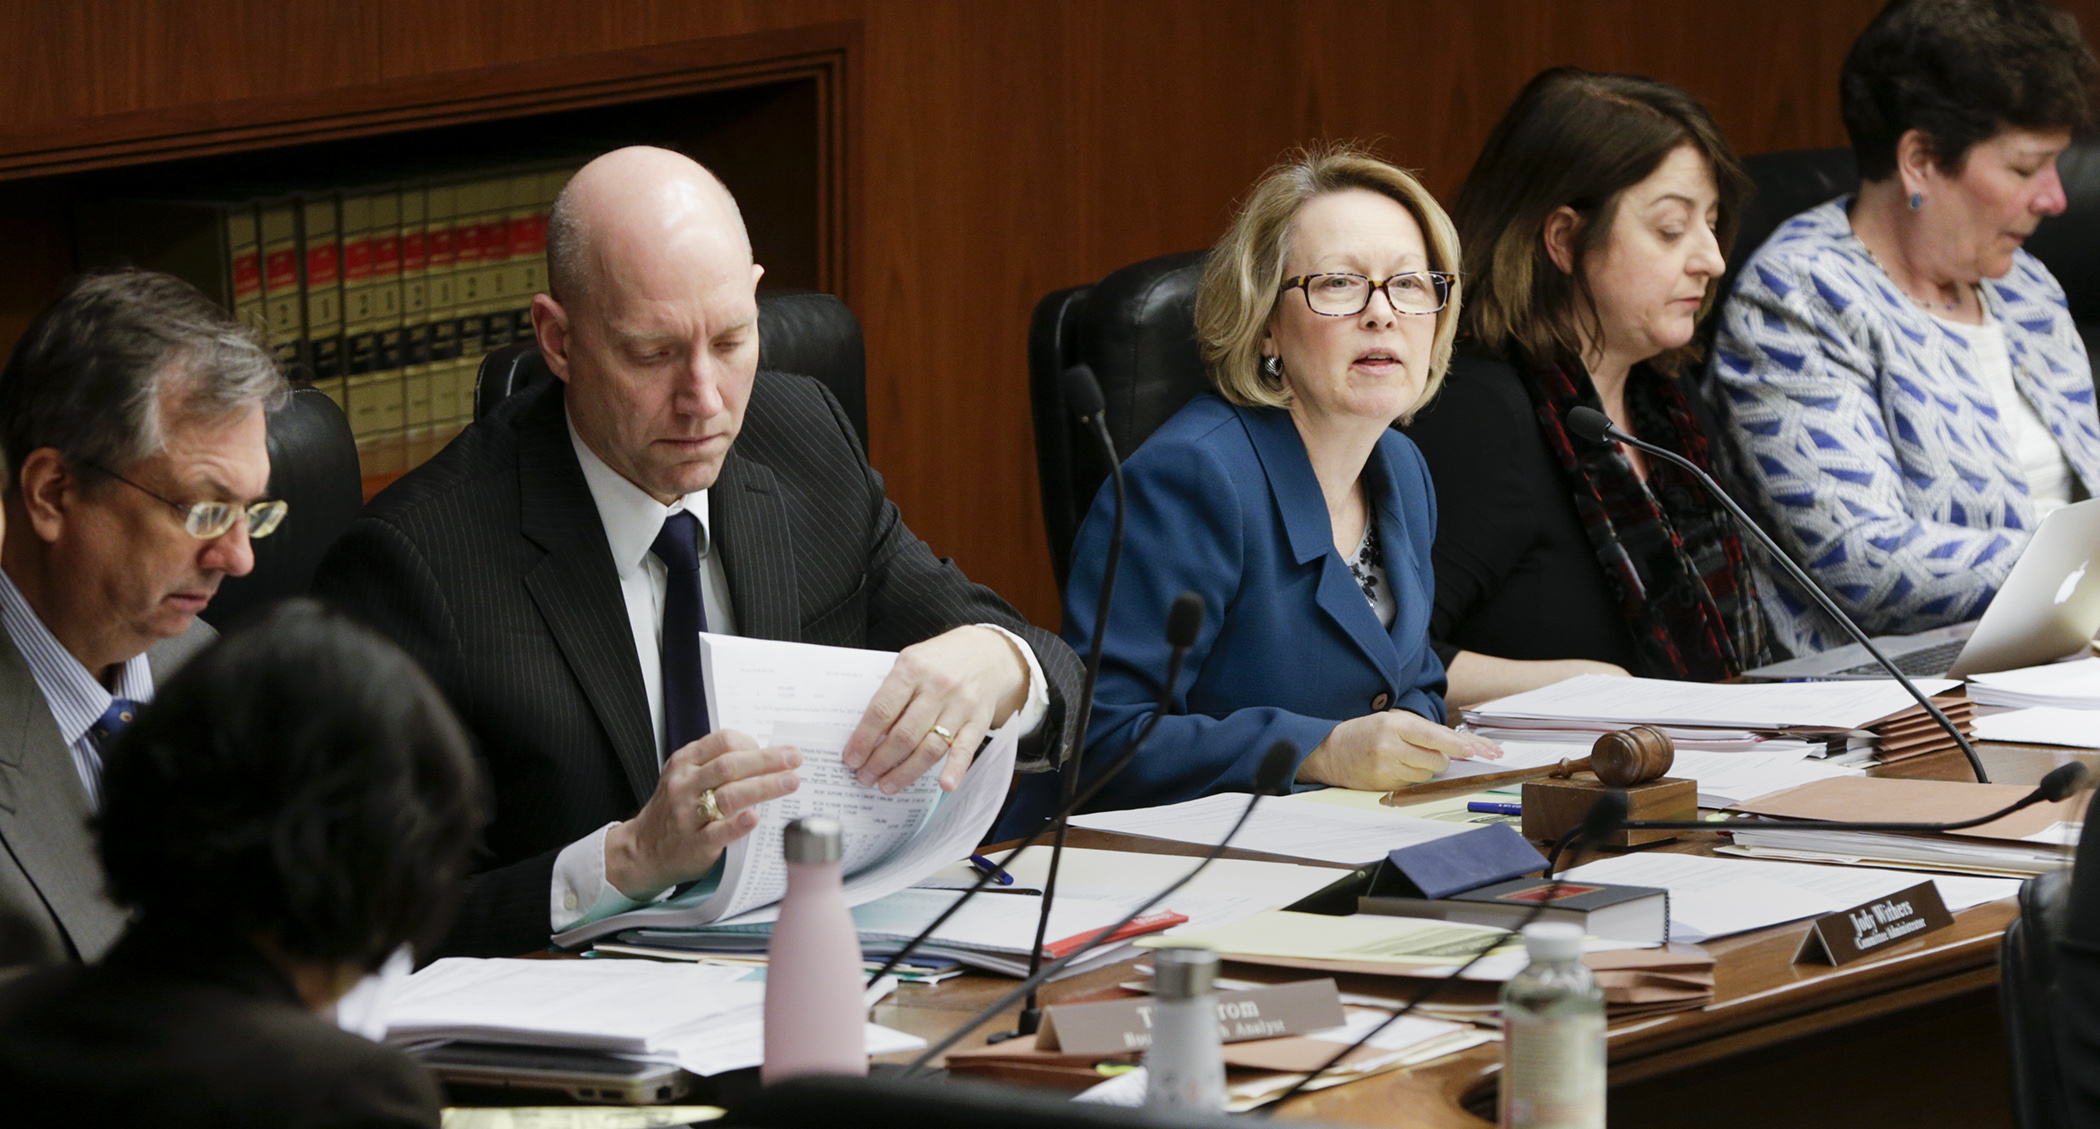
x: 132, y: 414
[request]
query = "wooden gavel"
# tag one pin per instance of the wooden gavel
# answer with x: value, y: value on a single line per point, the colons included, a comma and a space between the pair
x: 1622, y: 759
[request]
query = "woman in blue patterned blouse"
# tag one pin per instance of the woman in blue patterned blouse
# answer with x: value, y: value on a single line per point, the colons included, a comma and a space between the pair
x: 1906, y: 388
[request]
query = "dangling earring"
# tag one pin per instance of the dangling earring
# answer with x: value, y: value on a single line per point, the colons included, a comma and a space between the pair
x: 1272, y: 367
x: 1917, y: 200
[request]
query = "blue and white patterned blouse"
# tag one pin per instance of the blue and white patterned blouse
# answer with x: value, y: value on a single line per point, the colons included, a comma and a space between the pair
x: 1863, y: 427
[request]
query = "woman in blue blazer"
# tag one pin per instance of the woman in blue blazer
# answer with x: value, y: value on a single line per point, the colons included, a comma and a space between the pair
x: 1290, y: 505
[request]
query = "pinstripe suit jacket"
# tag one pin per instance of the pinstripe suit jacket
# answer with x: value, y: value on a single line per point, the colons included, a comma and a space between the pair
x: 489, y: 564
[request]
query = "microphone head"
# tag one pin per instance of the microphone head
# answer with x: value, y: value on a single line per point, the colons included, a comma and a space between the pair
x: 2062, y: 782
x: 1277, y: 768
x: 1083, y: 392
x: 1184, y: 619
x: 1605, y: 816
x: 1588, y: 424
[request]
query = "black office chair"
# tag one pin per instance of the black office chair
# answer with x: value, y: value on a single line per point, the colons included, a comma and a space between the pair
x: 799, y: 331
x: 2027, y: 964
x: 1136, y: 328
x: 313, y: 467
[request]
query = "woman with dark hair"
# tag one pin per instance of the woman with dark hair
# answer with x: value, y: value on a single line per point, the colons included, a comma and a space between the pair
x: 1908, y: 391
x: 296, y: 804
x: 1595, y: 223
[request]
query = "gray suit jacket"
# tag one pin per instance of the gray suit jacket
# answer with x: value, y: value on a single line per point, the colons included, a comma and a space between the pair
x: 51, y: 893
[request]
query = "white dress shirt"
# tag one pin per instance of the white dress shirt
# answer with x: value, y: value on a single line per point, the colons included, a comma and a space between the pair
x: 632, y: 521
x: 2040, y: 458
x: 77, y: 698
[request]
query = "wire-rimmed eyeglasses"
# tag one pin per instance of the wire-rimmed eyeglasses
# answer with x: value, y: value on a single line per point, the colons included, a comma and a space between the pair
x: 206, y: 520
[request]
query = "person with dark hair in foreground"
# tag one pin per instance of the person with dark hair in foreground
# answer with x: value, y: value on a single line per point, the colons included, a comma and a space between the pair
x: 295, y: 805
x: 1594, y: 225
x: 1905, y: 383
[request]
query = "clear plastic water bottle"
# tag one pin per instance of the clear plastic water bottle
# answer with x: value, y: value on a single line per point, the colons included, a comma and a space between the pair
x: 1553, y: 1036
x: 1185, y: 1066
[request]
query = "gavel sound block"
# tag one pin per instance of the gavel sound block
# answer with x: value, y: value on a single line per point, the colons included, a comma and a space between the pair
x: 1630, y: 761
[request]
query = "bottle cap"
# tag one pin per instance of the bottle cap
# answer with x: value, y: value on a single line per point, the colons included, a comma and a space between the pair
x: 1183, y: 972
x: 813, y: 838
x: 1553, y: 940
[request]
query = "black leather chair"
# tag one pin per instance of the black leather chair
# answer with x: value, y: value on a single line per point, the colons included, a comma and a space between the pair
x: 1136, y: 329
x: 2026, y: 984
x: 1791, y: 182
x: 800, y: 331
x: 313, y: 467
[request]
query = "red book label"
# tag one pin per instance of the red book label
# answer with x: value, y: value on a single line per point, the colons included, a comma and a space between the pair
x: 528, y: 234
x: 281, y: 270
x: 357, y: 260
x: 415, y: 250
x: 321, y: 265
x: 247, y: 275
x: 386, y: 256
x: 495, y: 241
x: 444, y: 246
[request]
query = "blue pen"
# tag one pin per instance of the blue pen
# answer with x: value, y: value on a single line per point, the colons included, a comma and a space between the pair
x: 984, y: 865
x: 1488, y: 807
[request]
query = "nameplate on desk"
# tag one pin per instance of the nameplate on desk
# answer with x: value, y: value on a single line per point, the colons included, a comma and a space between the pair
x: 1122, y: 1026
x: 1847, y: 935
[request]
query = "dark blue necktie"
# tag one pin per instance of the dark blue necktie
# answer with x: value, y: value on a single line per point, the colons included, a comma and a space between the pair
x: 685, y: 696
x: 100, y: 733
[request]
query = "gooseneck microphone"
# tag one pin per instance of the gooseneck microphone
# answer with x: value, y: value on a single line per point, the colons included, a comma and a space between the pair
x: 1274, y: 779
x: 1594, y: 426
x: 1604, y: 817
x: 1184, y: 619
x: 2061, y: 783
x: 1083, y: 394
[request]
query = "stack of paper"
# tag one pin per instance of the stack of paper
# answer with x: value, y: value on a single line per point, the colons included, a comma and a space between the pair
x: 2042, y: 725
x: 702, y: 1018
x: 2074, y: 684
x: 1714, y: 897
x: 1724, y: 777
x: 2034, y: 840
x: 1868, y: 715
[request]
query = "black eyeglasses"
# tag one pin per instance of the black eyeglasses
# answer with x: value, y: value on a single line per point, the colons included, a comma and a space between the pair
x: 206, y: 520
x: 1341, y: 295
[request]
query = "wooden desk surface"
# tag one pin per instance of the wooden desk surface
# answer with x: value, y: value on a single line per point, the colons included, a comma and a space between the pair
x: 1907, y: 1037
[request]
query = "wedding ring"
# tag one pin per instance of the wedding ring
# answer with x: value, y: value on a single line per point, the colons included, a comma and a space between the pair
x: 709, y: 810
x: 944, y: 733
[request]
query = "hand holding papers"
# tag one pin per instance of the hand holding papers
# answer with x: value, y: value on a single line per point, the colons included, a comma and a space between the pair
x: 813, y: 697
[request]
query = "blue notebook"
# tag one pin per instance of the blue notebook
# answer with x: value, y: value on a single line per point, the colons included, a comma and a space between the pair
x: 1466, y: 861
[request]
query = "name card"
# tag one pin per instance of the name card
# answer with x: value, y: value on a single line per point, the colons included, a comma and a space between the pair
x: 1847, y: 935
x: 1122, y: 1026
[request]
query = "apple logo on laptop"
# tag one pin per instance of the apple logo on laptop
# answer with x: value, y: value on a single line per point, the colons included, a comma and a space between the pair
x: 2070, y: 583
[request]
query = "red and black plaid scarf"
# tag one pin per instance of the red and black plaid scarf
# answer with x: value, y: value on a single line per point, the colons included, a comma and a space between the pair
x: 1668, y: 550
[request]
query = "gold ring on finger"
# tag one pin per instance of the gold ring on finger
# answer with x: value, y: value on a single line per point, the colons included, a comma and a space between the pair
x: 944, y: 733
x: 709, y: 810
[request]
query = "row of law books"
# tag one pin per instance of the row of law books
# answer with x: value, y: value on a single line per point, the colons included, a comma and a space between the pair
x: 385, y: 296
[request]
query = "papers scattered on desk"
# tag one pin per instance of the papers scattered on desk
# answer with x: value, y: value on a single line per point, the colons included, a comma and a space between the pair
x: 994, y: 931
x: 2033, y: 840
x: 1754, y: 706
x: 1282, y: 825
x: 1724, y: 778
x: 703, y: 1018
x: 1715, y: 897
x: 2074, y: 684
x: 2043, y: 725
x: 1851, y: 719
x: 813, y: 697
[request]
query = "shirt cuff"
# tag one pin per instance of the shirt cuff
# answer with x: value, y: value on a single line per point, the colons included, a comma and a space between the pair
x: 1030, y: 716
x: 580, y: 892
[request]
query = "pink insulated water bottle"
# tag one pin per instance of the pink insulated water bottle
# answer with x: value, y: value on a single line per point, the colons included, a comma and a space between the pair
x: 815, y: 1023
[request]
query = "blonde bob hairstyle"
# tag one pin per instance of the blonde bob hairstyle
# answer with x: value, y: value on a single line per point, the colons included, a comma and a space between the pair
x: 1244, y: 273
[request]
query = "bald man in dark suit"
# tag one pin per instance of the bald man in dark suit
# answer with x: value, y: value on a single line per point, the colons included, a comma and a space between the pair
x: 530, y: 567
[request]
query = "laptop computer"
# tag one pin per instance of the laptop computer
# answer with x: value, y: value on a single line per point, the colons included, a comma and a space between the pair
x: 2047, y: 609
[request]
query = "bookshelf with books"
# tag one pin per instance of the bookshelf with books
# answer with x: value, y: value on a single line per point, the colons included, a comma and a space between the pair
x: 382, y: 265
